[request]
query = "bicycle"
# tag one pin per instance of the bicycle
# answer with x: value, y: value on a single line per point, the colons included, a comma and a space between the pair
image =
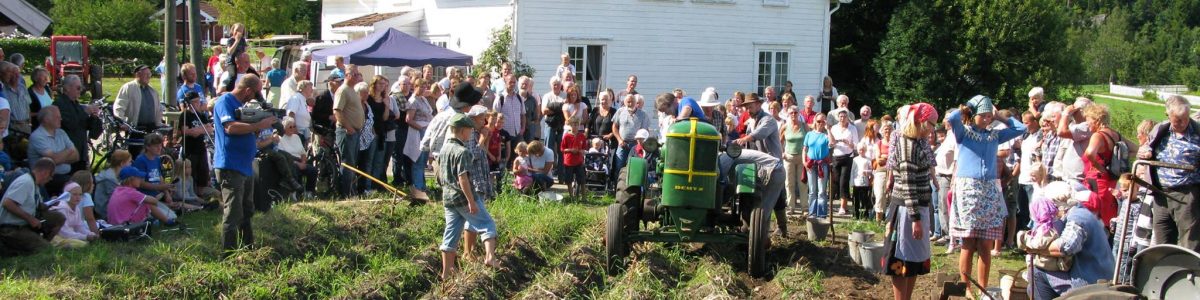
x: 325, y: 159
x: 117, y: 134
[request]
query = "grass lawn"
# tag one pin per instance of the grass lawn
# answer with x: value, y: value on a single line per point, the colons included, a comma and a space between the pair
x: 1139, y: 111
x: 374, y: 249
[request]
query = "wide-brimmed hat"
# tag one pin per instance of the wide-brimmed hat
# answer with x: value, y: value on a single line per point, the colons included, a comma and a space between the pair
x: 751, y: 100
x: 709, y: 98
x: 465, y: 95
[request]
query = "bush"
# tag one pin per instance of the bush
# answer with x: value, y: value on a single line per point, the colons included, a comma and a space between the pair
x: 117, y: 57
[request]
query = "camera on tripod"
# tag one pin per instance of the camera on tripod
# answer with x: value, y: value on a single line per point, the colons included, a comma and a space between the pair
x: 257, y: 110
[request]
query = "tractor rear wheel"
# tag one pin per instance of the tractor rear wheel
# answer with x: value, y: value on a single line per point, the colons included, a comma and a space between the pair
x: 758, y: 242
x: 615, y: 246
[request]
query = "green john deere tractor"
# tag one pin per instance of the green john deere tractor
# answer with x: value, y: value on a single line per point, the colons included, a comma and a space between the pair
x: 697, y: 204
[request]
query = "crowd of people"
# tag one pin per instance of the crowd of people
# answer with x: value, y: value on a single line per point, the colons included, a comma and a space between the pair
x: 972, y: 180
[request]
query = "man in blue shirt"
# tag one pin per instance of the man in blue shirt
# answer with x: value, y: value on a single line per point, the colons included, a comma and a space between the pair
x: 1176, y: 141
x: 235, y: 151
x: 188, y: 74
x: 682, y: 109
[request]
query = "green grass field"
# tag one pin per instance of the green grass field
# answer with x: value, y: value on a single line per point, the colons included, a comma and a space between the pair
x: 378, y: 250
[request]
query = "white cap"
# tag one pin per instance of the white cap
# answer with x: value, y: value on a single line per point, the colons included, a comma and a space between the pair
x: 642, y: 134
x: 477, y: 110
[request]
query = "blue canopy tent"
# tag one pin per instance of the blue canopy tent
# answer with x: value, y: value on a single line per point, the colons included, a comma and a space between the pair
x: 392, y: 48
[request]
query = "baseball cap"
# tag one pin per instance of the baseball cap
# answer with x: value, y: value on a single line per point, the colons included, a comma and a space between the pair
x: 461, y: 120
x: 333, y: 77
x: 477, y: 110
x: 130, y: 172
x: 642, y: 134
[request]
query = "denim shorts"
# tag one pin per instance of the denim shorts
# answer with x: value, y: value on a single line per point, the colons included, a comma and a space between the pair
x: 458, y: 218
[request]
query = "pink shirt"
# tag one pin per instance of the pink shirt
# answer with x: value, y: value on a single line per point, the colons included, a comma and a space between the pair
x: 127, y: 205
x: 76, y: 226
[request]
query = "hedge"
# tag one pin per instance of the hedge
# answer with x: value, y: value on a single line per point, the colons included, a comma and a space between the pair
x: 117, y: 57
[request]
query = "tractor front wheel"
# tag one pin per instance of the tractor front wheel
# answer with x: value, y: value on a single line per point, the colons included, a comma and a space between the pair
x: 759, y: 237
x: 615, y: 246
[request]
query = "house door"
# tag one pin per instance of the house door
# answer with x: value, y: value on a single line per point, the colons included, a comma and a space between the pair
x: 589, y: 67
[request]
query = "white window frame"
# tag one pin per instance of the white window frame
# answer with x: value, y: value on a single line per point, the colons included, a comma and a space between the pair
x: 580, y: 68
x: 443, y: 41
x: 778, y: 3
x: 776, y: 77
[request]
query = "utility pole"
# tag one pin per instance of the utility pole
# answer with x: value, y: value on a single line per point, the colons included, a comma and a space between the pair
x: 197, y: 52
x: 171, y: 54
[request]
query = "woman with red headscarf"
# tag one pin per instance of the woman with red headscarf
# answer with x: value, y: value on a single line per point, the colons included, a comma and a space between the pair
x: 910, y: 160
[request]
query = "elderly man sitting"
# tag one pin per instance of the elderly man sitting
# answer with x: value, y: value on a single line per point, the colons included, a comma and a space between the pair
x: 22, y: 231
x: 50, y: 141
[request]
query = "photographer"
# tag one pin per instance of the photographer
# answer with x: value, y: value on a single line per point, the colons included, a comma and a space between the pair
x: 234, y: 158
x: 21, y: 231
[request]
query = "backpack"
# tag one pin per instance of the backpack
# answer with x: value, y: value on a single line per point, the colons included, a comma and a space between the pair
x: 1119, y: 162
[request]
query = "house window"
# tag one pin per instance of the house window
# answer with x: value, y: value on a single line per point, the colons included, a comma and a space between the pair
x: 772, y: 69
x: 589, y: 67
x: 439, y: 72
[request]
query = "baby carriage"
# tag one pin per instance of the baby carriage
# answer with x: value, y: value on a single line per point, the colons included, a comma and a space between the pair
x: 596, y: 170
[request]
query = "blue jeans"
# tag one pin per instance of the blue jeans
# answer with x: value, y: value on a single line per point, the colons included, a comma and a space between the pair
x: 347, y: 146
x: 541, y: 181
x: 818, y: 199
x: 379, y: 162
x: 458, y: 218
x: 620, y: 159
x: 1049, y: 285
x: 937, y: 224
x: 365, y: 159
x: 417, y: 171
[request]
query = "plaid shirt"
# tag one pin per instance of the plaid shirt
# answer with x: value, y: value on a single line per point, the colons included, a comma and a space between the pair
x: 455, y: 160
x: 1050, y: 146
x: 480, y: 174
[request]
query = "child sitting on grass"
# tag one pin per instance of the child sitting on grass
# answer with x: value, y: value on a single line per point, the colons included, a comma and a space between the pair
x: 462, y: 206
x: 520, y: 168
x: 74, y: 232
x: 185, y: 186
x: 128, y: 205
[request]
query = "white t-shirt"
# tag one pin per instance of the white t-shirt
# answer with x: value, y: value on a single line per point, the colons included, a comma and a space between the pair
x: 575, y: 111
x: 298, y: 105
x: 442, y: 103
x: 539, y: 162
x: 286, y: 90
x: 292, y: 145
x: 549, y: 98
x: 860, y: 170
x: 945, y: 155
x: 839, y: 133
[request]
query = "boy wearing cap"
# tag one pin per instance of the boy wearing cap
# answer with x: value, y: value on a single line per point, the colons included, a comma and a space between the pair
x: 128, y: 205
x: 463, y: 208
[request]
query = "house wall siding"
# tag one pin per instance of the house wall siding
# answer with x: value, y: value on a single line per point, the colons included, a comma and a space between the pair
x: 688, y: 44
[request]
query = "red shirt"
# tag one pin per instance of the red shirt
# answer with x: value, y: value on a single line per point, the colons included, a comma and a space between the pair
x: 576, y: 141
x: 808, y: 115
x: 213, y: 60
x: 493, y: 146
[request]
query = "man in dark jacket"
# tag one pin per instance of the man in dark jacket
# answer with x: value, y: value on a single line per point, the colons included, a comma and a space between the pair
x: 81, y: 122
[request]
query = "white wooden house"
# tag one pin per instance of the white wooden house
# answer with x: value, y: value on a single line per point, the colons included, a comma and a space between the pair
x: 690, y: 44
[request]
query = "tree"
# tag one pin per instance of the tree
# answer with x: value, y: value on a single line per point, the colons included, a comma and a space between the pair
x: 1107, y: 57
x: 944, y: 51
x: 856, y: 31
x: 498, y: 52
x: 129, y: 20
x: 263, y: 17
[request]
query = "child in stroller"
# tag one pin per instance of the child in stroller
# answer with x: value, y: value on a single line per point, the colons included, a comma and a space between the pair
x: 596, y: 166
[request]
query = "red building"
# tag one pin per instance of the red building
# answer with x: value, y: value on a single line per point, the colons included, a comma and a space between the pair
x: 211, y: 32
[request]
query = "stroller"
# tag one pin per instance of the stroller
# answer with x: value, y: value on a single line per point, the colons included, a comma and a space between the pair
x: 596, y: 170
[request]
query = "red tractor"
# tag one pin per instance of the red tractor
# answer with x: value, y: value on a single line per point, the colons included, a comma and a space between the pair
x: 69, y: 55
